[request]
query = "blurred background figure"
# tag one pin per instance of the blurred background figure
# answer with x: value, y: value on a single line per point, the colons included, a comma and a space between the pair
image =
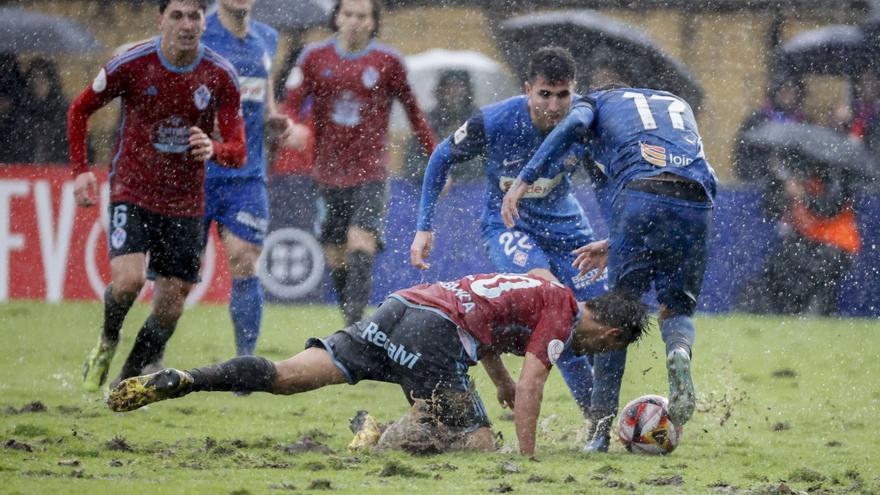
x: 454, y: 95
x: 784, y: 103
x: 865, y: 124
x: 43, y: 113
x: 813, y: 211
x: 11, y: 92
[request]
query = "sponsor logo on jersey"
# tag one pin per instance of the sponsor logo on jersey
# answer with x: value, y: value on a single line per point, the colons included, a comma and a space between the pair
x: 295, y: 79
x: 171, y: 135
x: 538, y: 189
x: 397, y: 352
x: 346, y: 110
x: 585, y: 280
x: 460, y: 134
x: 100, y: 82
x: 505, y: 162
x: 520, y: 258
x: 463, y: 296
x: 655, y: 155
x: 201, y: 97
x: 370, y: 76
x: 252, y: 89
x: 554, y: 350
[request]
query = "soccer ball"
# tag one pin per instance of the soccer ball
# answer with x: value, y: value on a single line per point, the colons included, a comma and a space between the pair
x: 644, y: 426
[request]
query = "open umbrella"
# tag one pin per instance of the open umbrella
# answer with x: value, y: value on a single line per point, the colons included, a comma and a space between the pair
x: 26, y: 32
x: 292, y: 14
x: 585, y: 33
x: 489, y: 79
x: 834, y: 50
x: 814, y: 144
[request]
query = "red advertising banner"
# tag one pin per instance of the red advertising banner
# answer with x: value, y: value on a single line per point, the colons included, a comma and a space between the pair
x: 53, y: 250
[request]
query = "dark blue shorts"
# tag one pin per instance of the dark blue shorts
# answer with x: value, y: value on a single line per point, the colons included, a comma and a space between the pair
x: 660, y: 240
x: 240, y: 206
x: 515, y: 251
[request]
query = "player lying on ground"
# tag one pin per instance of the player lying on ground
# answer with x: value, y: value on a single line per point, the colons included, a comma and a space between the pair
x: 425, y: 338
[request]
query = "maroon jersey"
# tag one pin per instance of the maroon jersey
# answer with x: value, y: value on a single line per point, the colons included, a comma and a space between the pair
x: 152, y: 166
x: 505, y: 312
x: 351, y: 96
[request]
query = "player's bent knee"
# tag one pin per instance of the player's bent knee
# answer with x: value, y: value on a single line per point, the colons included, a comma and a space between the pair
x: 128, y: 286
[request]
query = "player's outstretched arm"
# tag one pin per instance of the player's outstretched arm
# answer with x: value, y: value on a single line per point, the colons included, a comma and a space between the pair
x: 504, y: 384
x: 510, y: 203
x: 529, y: 394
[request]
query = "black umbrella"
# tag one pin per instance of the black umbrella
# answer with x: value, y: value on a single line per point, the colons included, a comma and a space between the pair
x: 815, y: 145
x: 25, y: 31
x: 292, y: 14
x: 586, y: 33
x: 835, y: 50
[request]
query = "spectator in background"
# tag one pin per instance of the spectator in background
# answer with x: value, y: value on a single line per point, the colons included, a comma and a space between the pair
x: 820, y: 239
x: 11, y: 92
x: 865, y: 124
x: 784, y: 103
x: 454, y: 96
x: 43, y: 108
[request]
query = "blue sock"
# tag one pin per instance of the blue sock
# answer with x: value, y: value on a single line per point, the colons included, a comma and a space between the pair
x: 678, y: 331
x: 578, y: 375
x: 608, y: 370
x: 246, y: 309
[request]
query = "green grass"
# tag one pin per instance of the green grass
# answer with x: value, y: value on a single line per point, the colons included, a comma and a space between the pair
x: 780, y: 400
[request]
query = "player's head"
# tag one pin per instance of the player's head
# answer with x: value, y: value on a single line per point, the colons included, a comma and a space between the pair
x: 182, y: 23
x: 239, y: 8
x: 611, y: 321
x: 356, y: 21
x: 550, y: 86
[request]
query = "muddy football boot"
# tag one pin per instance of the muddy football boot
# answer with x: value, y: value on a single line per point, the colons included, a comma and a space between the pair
x: 136, y: 392
x: 600, y: 434
x: 682, y: 398
x: 97, y: 364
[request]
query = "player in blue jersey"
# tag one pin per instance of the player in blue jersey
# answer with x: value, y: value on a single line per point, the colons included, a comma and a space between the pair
x: 661, y: 191
x: 237, y: 199
x: 553, y: 224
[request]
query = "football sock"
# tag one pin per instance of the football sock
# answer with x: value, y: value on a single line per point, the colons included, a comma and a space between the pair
x: 678, y: 331
x: 339, y: 275
x: 114, y: 315
x: 246, y: 310
x: 149, y: 346
x: 608, y: 370
x: 578, y: 375
x: 359, y: 265
x: 241, y: 374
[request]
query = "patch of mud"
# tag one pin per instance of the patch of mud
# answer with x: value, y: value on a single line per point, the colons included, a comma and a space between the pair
x: 569, y: 479
x: 723, y: 487
x: 395, y: 468
x: 834, y: 443
x: 284, y: 485
x: 507, y: 467
x: 774, y: 489
x: 306, y: 444
x: 784, y: 373
x: 115, y: 463
x: 781, y: 426
x: 537, y: 478
x: 608, y: 469
x: 502, y: 488
x: 118, y: 444
x: 320, y: 485
x: 806, y: 475
x: 69, y: 462
x: 674, y: 480
x: 33, y: 407
x: 441, y: 467
x: 620, y: 485
x: 68, y: 410
x: 16, y: 445
x: 420, y: 432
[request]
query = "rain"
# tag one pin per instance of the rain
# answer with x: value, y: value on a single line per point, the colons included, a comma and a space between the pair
x: 376, y: 162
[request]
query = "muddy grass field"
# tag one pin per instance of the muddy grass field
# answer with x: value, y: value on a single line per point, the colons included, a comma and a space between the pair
x: 785, y: 406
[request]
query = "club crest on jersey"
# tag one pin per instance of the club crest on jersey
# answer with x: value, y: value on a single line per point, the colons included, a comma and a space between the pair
x: 100, y: 82
x: 201, y: 97
x: 554, y: 350
x: 117, y: 239
x: 370, y: 76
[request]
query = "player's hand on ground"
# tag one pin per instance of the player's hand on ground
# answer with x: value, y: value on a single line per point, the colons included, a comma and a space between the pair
x: 280, y: 127
x: 201, y: 148
x: 85, y: 189
x: 510, y: 205
x: 590, y: 256
x: 506, y: 394
x: 297, y: 137
x: 420, y: 249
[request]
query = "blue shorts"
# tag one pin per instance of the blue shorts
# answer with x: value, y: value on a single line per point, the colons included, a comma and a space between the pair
x: 660, y: 240
x: 515, y: 251
x: 240, y: 206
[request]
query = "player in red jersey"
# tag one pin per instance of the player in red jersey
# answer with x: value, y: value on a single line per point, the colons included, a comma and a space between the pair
x: 174, y: 92
x: 352, y: 80
x: 425, y: 338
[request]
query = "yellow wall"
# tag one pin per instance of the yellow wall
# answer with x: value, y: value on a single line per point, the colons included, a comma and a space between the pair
x: 727, y: 54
